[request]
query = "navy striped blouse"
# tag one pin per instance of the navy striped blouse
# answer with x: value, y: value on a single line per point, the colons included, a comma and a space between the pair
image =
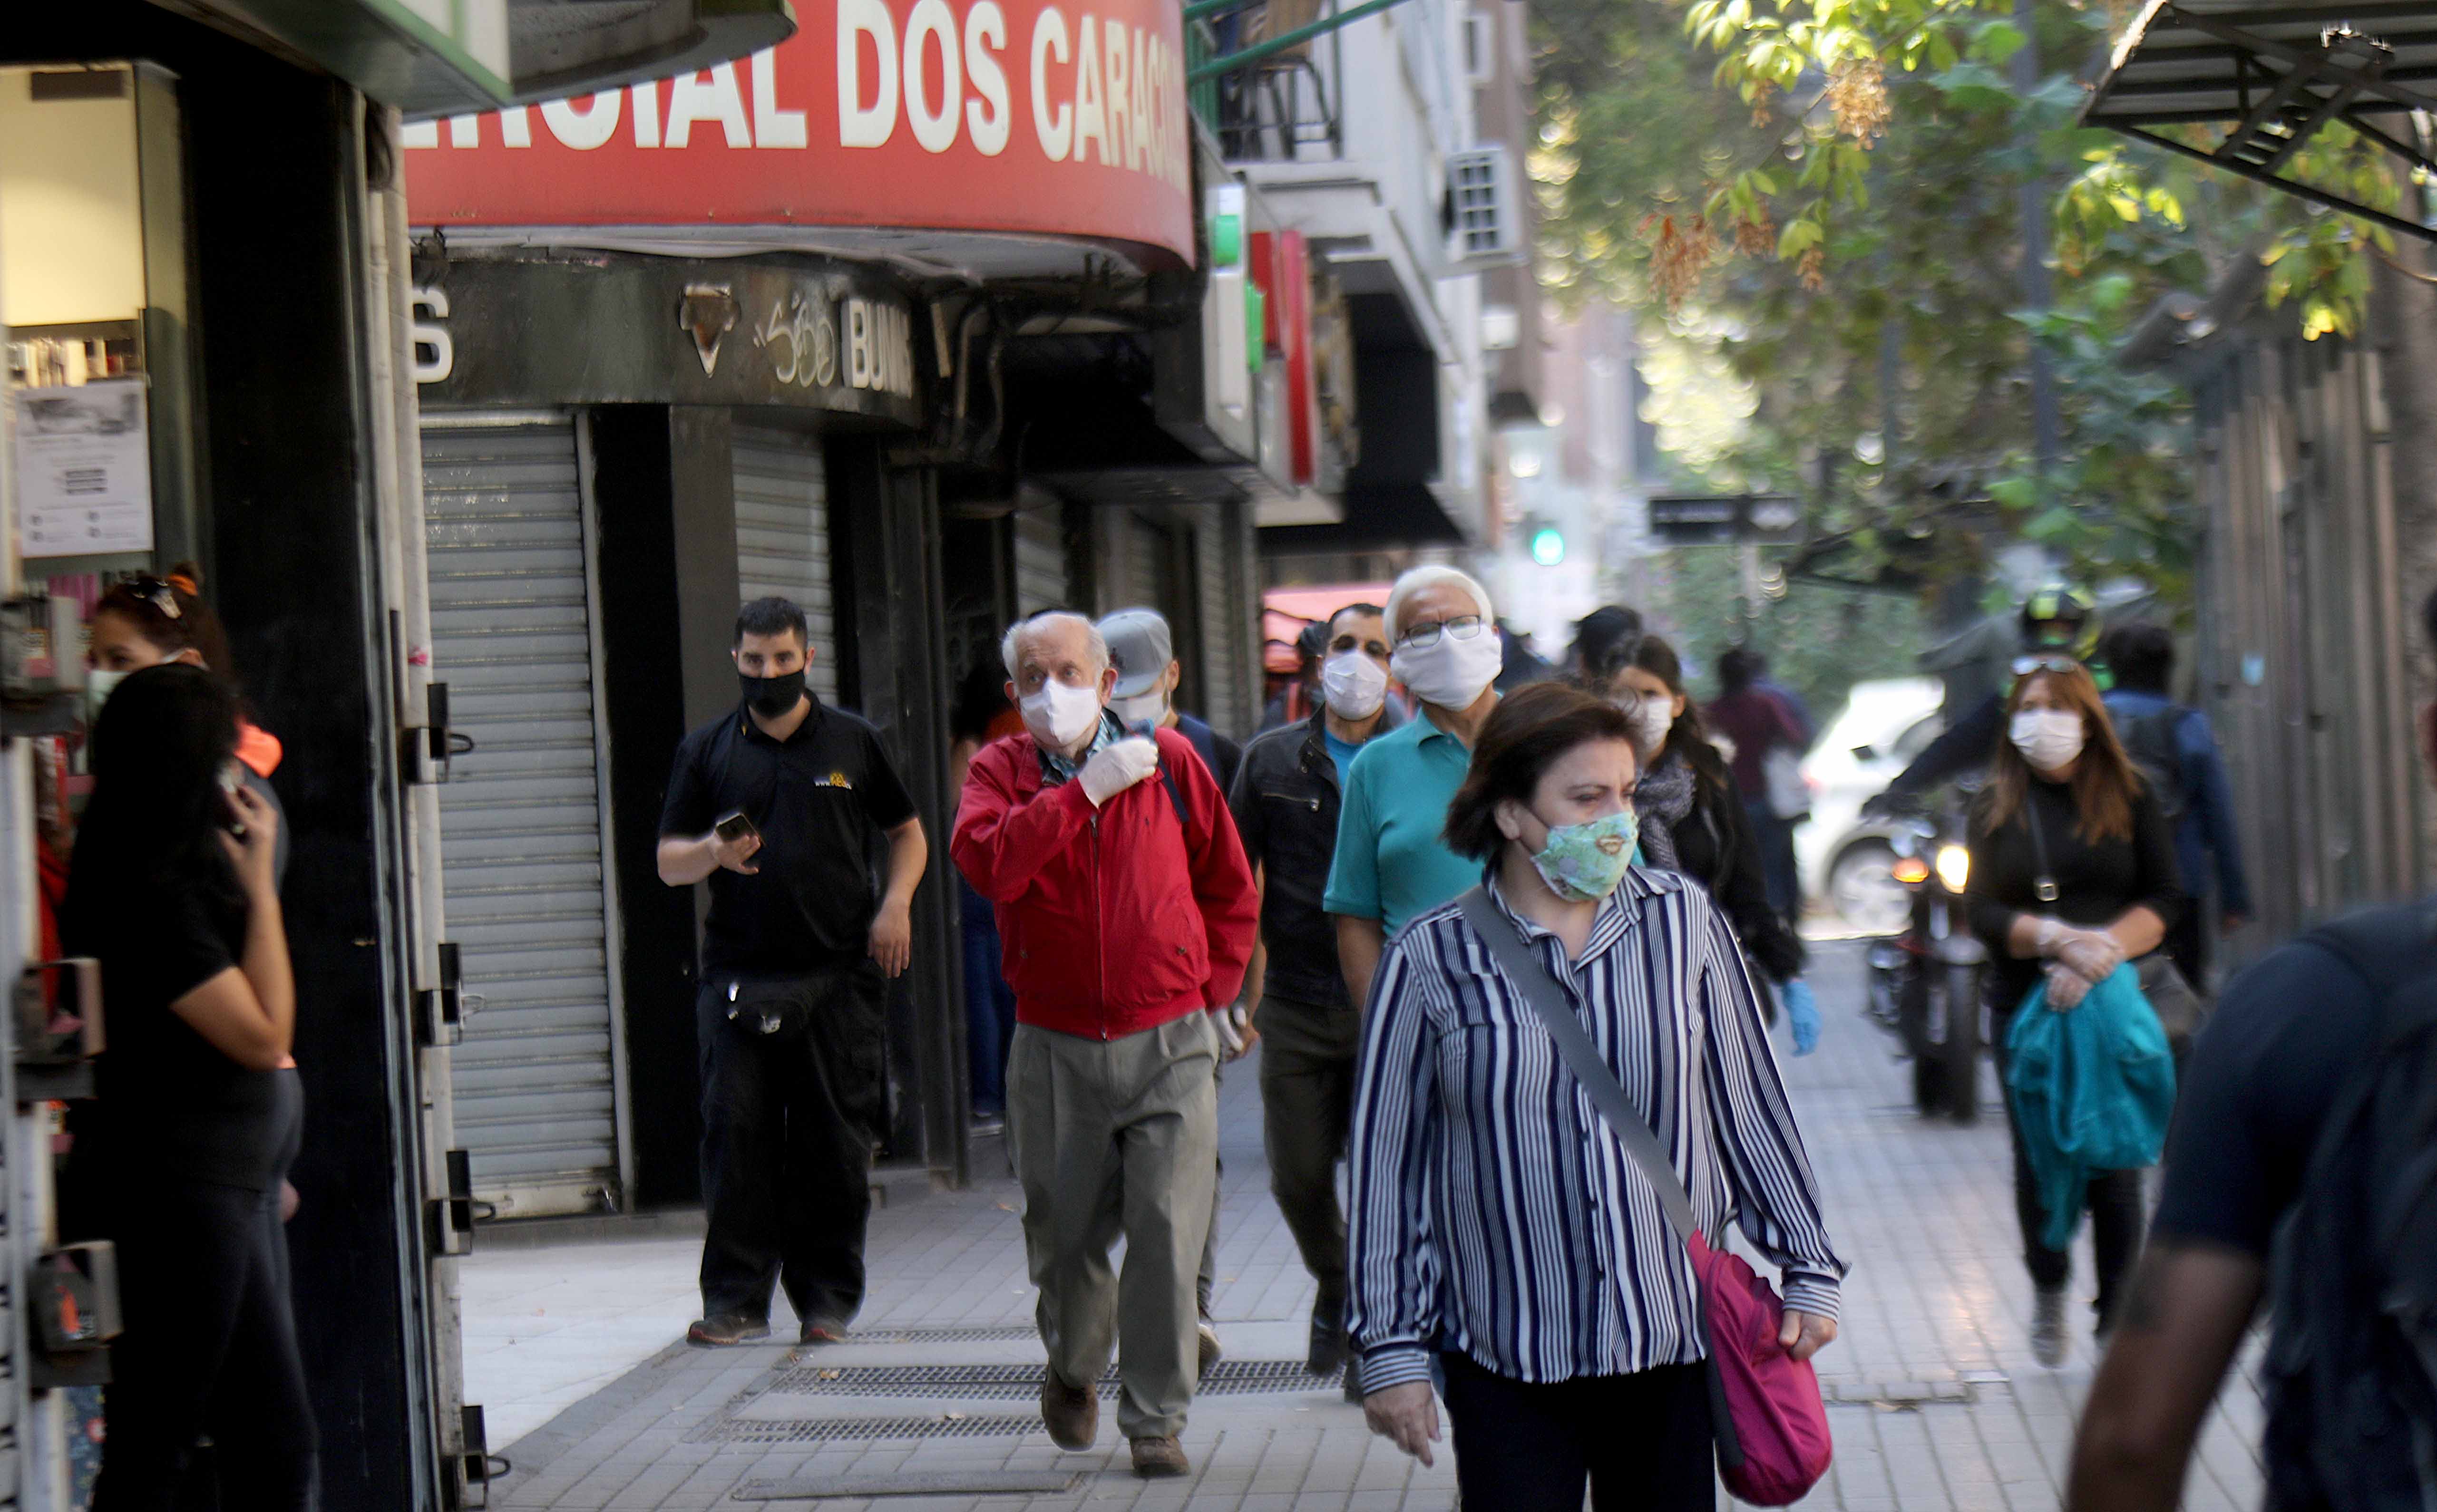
x: 1494, y: 1214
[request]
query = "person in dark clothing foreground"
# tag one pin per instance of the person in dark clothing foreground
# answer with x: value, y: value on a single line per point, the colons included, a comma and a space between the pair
x: 198, y: 1113
x: 2288, y: 1046
x: 2073, y: 874
x: 796, y: 957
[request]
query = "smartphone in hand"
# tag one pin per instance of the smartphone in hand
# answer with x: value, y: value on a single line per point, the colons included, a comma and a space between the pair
x: 734, y: 827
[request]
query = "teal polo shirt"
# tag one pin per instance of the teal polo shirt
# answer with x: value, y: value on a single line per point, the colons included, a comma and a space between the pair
x: 1390, y: 864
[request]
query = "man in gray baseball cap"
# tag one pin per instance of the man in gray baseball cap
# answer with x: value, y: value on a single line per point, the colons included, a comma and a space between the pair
x: 1144, y: 653
x: 1148, y: 673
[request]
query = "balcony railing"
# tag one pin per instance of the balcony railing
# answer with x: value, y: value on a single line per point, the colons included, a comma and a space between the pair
x: 1281, y: 103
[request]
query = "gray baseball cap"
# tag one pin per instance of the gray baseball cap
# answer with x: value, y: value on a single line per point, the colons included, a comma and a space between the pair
x: 1140, y: 647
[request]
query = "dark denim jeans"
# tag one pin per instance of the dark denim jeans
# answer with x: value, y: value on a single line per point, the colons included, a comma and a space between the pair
x: 789, y: 1119
x: 990, y: 1002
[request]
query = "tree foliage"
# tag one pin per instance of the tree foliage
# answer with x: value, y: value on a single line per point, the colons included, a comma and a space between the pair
x: 1837, y: 210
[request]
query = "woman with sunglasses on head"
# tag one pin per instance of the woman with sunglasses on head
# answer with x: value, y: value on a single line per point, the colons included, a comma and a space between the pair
x: 1692, y: 815
x: 1392, y: 861
x: 2073, y: 874
x: 195, y: 1118
x: 1502, y: 1226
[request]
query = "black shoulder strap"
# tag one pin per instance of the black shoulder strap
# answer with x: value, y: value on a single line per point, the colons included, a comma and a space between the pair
x: 1175, y: 797
x: 2391, y: 947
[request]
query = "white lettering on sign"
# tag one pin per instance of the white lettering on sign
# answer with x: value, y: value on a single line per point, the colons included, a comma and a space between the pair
x: 431, y: 336
x: 879, y: 347
x: 1102, y: 91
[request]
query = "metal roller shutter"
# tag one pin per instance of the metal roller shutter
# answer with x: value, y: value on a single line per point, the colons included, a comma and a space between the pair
x: 783, y: 535
x: 1040, y: 559
x: 521, y: 817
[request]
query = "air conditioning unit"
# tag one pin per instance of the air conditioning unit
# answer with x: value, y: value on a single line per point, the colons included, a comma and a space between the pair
x: 1484, y: 219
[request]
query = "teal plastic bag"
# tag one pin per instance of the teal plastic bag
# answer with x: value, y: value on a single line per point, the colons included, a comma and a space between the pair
x: 2092, y: 1087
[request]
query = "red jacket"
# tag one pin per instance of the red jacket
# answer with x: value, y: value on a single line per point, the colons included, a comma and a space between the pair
x: 1114, y: 920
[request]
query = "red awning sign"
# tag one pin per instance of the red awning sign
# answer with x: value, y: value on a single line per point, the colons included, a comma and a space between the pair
x: 958, y: 115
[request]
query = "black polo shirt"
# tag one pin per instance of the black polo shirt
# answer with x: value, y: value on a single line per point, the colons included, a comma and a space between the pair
x: 822, y: 800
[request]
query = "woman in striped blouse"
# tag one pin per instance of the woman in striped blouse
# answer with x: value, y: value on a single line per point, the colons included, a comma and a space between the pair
x: 1497, y: 1224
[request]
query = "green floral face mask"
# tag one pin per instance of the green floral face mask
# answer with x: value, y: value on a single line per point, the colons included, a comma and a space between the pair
x: 1585, y: 862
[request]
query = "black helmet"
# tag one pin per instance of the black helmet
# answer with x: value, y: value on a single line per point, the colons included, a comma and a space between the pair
x: 2060, y: 617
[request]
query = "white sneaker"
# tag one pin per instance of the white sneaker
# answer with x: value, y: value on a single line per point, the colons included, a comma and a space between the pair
x: 2048, y: 1328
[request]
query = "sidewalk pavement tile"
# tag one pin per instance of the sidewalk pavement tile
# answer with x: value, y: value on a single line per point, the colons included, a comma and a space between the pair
x: 1935, y: 1400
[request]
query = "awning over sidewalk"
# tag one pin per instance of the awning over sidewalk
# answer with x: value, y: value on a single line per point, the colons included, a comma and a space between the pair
x: 2275, y: 76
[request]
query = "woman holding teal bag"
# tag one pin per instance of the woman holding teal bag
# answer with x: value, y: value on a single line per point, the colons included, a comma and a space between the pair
x: 2073, y: 874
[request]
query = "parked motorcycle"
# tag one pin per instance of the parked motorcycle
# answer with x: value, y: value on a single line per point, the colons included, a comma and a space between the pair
x: 1925, y: 984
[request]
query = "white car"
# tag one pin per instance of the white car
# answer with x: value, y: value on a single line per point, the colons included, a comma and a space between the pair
x: 1846, y: 860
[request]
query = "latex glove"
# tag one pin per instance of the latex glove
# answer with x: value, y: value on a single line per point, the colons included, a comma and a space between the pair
x: 1802, y: 1015
x: 2092, y: 956
x: 2066, y: 988
x: 1235, y: 1033
x: 1117, y: 767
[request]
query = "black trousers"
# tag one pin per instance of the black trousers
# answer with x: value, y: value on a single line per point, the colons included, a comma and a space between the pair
x: 2113, y: 1199
x: 209, y: 1348
x: 1640, y: 1440
x: 1307, y: 1073
x: 789, y: 1118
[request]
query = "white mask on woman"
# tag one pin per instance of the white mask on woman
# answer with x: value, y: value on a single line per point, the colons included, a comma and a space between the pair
x: 1452, y: 673
x: 2048, y: 739
x: 1353, y: 684
x: 1059, y: 715
x: 1652, y: 719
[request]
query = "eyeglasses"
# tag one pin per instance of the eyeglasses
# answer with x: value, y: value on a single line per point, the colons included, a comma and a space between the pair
x: 154, y: 591
x: 1422, y: 636
x: 2026, y: 665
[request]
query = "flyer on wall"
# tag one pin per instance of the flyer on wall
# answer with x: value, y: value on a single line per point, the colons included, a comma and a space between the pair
x: 84, y: 470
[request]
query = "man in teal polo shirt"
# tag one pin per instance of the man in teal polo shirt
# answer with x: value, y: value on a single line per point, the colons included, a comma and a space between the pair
x: 1391, y: 864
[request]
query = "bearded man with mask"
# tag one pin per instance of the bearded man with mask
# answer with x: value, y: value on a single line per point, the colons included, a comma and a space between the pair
x: 779, y: 803
x: 1128, y: 914
x: 1392, y: 863
x: 1285, y: 801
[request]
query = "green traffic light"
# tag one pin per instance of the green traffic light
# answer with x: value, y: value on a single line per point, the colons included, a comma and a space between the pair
x: 1547, y: 545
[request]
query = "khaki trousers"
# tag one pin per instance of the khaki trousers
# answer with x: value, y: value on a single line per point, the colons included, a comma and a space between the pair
x: 1119, y: 1136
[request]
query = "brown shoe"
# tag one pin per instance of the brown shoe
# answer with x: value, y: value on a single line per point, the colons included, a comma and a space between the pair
x: 1155, y: 1457
x: 1072, y: 1413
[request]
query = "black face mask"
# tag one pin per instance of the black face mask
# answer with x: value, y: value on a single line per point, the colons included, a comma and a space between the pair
x: 772, y: 696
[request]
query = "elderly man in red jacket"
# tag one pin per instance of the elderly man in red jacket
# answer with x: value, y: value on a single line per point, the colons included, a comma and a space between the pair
x: 1128, y: 912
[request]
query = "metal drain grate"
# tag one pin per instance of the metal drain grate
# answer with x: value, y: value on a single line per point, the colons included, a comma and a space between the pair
x: 863, y: 1430
x: 1012, y: 1333
x: 1022, y: 1383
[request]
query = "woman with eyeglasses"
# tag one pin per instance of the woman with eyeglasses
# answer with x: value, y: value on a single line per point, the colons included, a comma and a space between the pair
x: 1391, y: 860
x: 2073, y: 874
x: 195, y: 1119
x: 1501, y: 1228
x: 1692, y: 815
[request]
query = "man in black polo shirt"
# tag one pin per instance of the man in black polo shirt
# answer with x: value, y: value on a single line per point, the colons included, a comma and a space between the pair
x: 794, y: 961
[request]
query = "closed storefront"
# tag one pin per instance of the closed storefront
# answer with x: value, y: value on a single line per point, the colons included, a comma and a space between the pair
x: 783, y: 535
x: 525, y: 880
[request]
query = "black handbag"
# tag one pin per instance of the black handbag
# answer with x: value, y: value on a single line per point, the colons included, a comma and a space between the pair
x: 2180, y: 1007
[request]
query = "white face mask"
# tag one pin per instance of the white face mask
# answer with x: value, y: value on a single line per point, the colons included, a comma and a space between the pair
x: 2048, y: 739
x: 1452, y: 673
x: 1060, y: 715
x: 1353, y: 684
x: 1652, y: 720
x: 1142, y: 708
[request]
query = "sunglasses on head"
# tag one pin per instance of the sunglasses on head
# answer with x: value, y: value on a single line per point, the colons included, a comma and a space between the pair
x: 158, y: 592
x: 2026, y: 665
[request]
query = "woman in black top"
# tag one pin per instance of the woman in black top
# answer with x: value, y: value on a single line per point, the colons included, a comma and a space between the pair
x: 196, y: 1121
x: 2073, y: 874
x: 1692, y: 818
